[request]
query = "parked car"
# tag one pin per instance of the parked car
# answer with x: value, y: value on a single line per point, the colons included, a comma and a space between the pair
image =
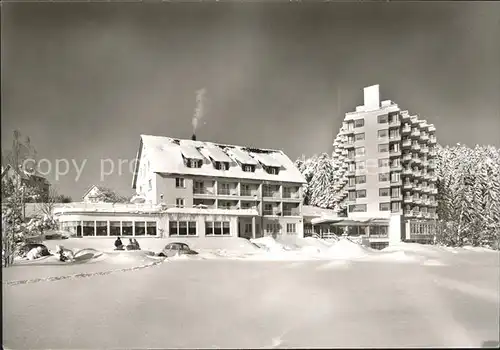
x: 176, y: 248
x: 28, y: 246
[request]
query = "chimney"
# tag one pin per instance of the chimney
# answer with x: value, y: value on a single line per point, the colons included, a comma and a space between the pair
x: 193, y: 137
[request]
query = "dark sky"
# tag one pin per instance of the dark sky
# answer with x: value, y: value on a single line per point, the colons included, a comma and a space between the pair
x: 84, y: 80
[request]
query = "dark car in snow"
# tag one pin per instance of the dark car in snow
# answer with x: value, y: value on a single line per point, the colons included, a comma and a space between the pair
x: 175, y: 249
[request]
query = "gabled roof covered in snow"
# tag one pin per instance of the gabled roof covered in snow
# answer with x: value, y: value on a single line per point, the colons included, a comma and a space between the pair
x: 167, y: 155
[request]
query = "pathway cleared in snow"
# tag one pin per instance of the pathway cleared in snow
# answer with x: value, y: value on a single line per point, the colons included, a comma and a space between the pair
x: 259, y: 304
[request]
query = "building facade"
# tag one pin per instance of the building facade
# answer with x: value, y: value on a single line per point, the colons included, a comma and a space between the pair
x: 385, y: 159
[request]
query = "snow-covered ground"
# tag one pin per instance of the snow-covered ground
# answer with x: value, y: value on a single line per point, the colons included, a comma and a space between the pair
x: 290, y: 293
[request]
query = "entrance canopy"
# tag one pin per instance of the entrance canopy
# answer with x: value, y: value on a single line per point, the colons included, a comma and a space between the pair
x: 350, y: 221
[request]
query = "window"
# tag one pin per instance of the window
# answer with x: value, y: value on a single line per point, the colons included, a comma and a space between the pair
x: 272, y: 170
x: 88, y: 228
x: 140, y: 228
x: 395, y: 192
x: 383, y: 162
x: 383, y: 147
x: 150, y: 185
x: 383, y: 192
x: 199, y: 187
x: 351, y: 154
x: 352, y: 167
x: 114, y: 228
x: 357, y: 208
x: 393, y: 133
x: 382, y: 134
x: 382, y: 119
x: 359, y: 136
x: 217, y: 228
x: 290, y: 228
x: 395, y: 177
x: 384, y: 206
x: 179, y: 182
x: 248, y: 228
x: 249, y: 168
x: 361, y: 194
x: 127, y: 228
x: 222, y: 165
x: 395, y: 207
x: 151, y: 228
x: 352, y: 181
x: 379, y: 231
x: 360, y: 151
x: 360, y: 165
x: 101, y: 228
x: 359, y: 123
x: 352, y: 195
x: 360, y: 179
x: 179, y: 202
x: 382, y: 177
x: 194, y: 163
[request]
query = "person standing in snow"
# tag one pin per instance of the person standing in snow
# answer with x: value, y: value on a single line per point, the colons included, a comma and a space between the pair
x: 136, y: 244
x: 118, y: 244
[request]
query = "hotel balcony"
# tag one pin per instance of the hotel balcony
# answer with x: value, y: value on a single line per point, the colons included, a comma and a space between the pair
x: 424, y: 149
x: 407, y: 157
x: 417, y: 160
x: 272, y: 212
x: 397, y: 198
x: 415, y: 133
x: 417, y: 188
x: 394, y: 138
x: 432, y: 153
x: 406, y: 143
x: 415, y: 147
x: 433, y: 190
x: 408, y: 185
x: 408, y: 213
x: 425, y: 163
x: 408, y: 171
x: 406, y: 129
x: 417, y: 173
x: 291, y: 196
x: 394, y: 123
x: 291, y: 212
x: 396, y: 167
x: 394, y: 152
x: 408, y: 199
x: 432, y: 203
x: 271, y: 194
x: 405, y: 115
x: 249, y: 193
x: 431, y: 128
x: 227, y: 191
x: 417, y: 200
x: 348, y: 132
x: 203, y: 192
x: 432, y: 178
x: 432, y: 139
x: 395, y: 183
x: 419, y: 215
x: 349, y: 145
x: 431, y: 164
x: 424, y: 137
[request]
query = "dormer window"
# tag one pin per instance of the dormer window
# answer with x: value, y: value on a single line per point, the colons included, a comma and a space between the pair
x: 222, y: 165
x: 193, y: 163
x: 248, y: 168
x: 272, y: 170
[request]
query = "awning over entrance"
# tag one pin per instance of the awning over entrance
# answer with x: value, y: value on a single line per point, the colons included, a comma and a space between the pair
x: 350, y: 221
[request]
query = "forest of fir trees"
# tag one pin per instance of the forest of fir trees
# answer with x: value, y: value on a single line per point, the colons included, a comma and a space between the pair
x: 468, y: 182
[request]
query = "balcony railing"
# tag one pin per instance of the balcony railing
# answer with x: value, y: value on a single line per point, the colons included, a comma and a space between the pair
x: 292, y: 195
x: 431, y: 128
x: 424, y: 150
x: 415, y: 133
x: 271, y: 194
x: 406, y: 129
x: 415, y: 147
x: 227, y: 191
x: 406, y: 157
x: 394, y: 122
x: 207, y: 191
x: 432, y: 139
x: 408, y: 185
x: 406, y: 143
x: 408, y: 199
x: 274, y: 212
x: 291, y: 212
x: 424, y: 137
x: 249, y: 193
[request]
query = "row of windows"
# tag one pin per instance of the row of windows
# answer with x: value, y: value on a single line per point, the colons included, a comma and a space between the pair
x: 190, y: 228
x: 197, y: 163
x: 382, y: 177
x: 382, y: 163
x: 386, y: 206
x: 339, y: 230
x: 382, y: 192
x: 110, y: 228
x: 276, y: 228
x: 381, y: 119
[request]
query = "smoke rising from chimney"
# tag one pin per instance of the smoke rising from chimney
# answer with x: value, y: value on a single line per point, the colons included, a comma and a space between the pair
x: 199, y: 111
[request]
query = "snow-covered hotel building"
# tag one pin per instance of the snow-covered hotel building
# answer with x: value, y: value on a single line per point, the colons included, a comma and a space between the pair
x: 200, y: 189
x: 385, y: 161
